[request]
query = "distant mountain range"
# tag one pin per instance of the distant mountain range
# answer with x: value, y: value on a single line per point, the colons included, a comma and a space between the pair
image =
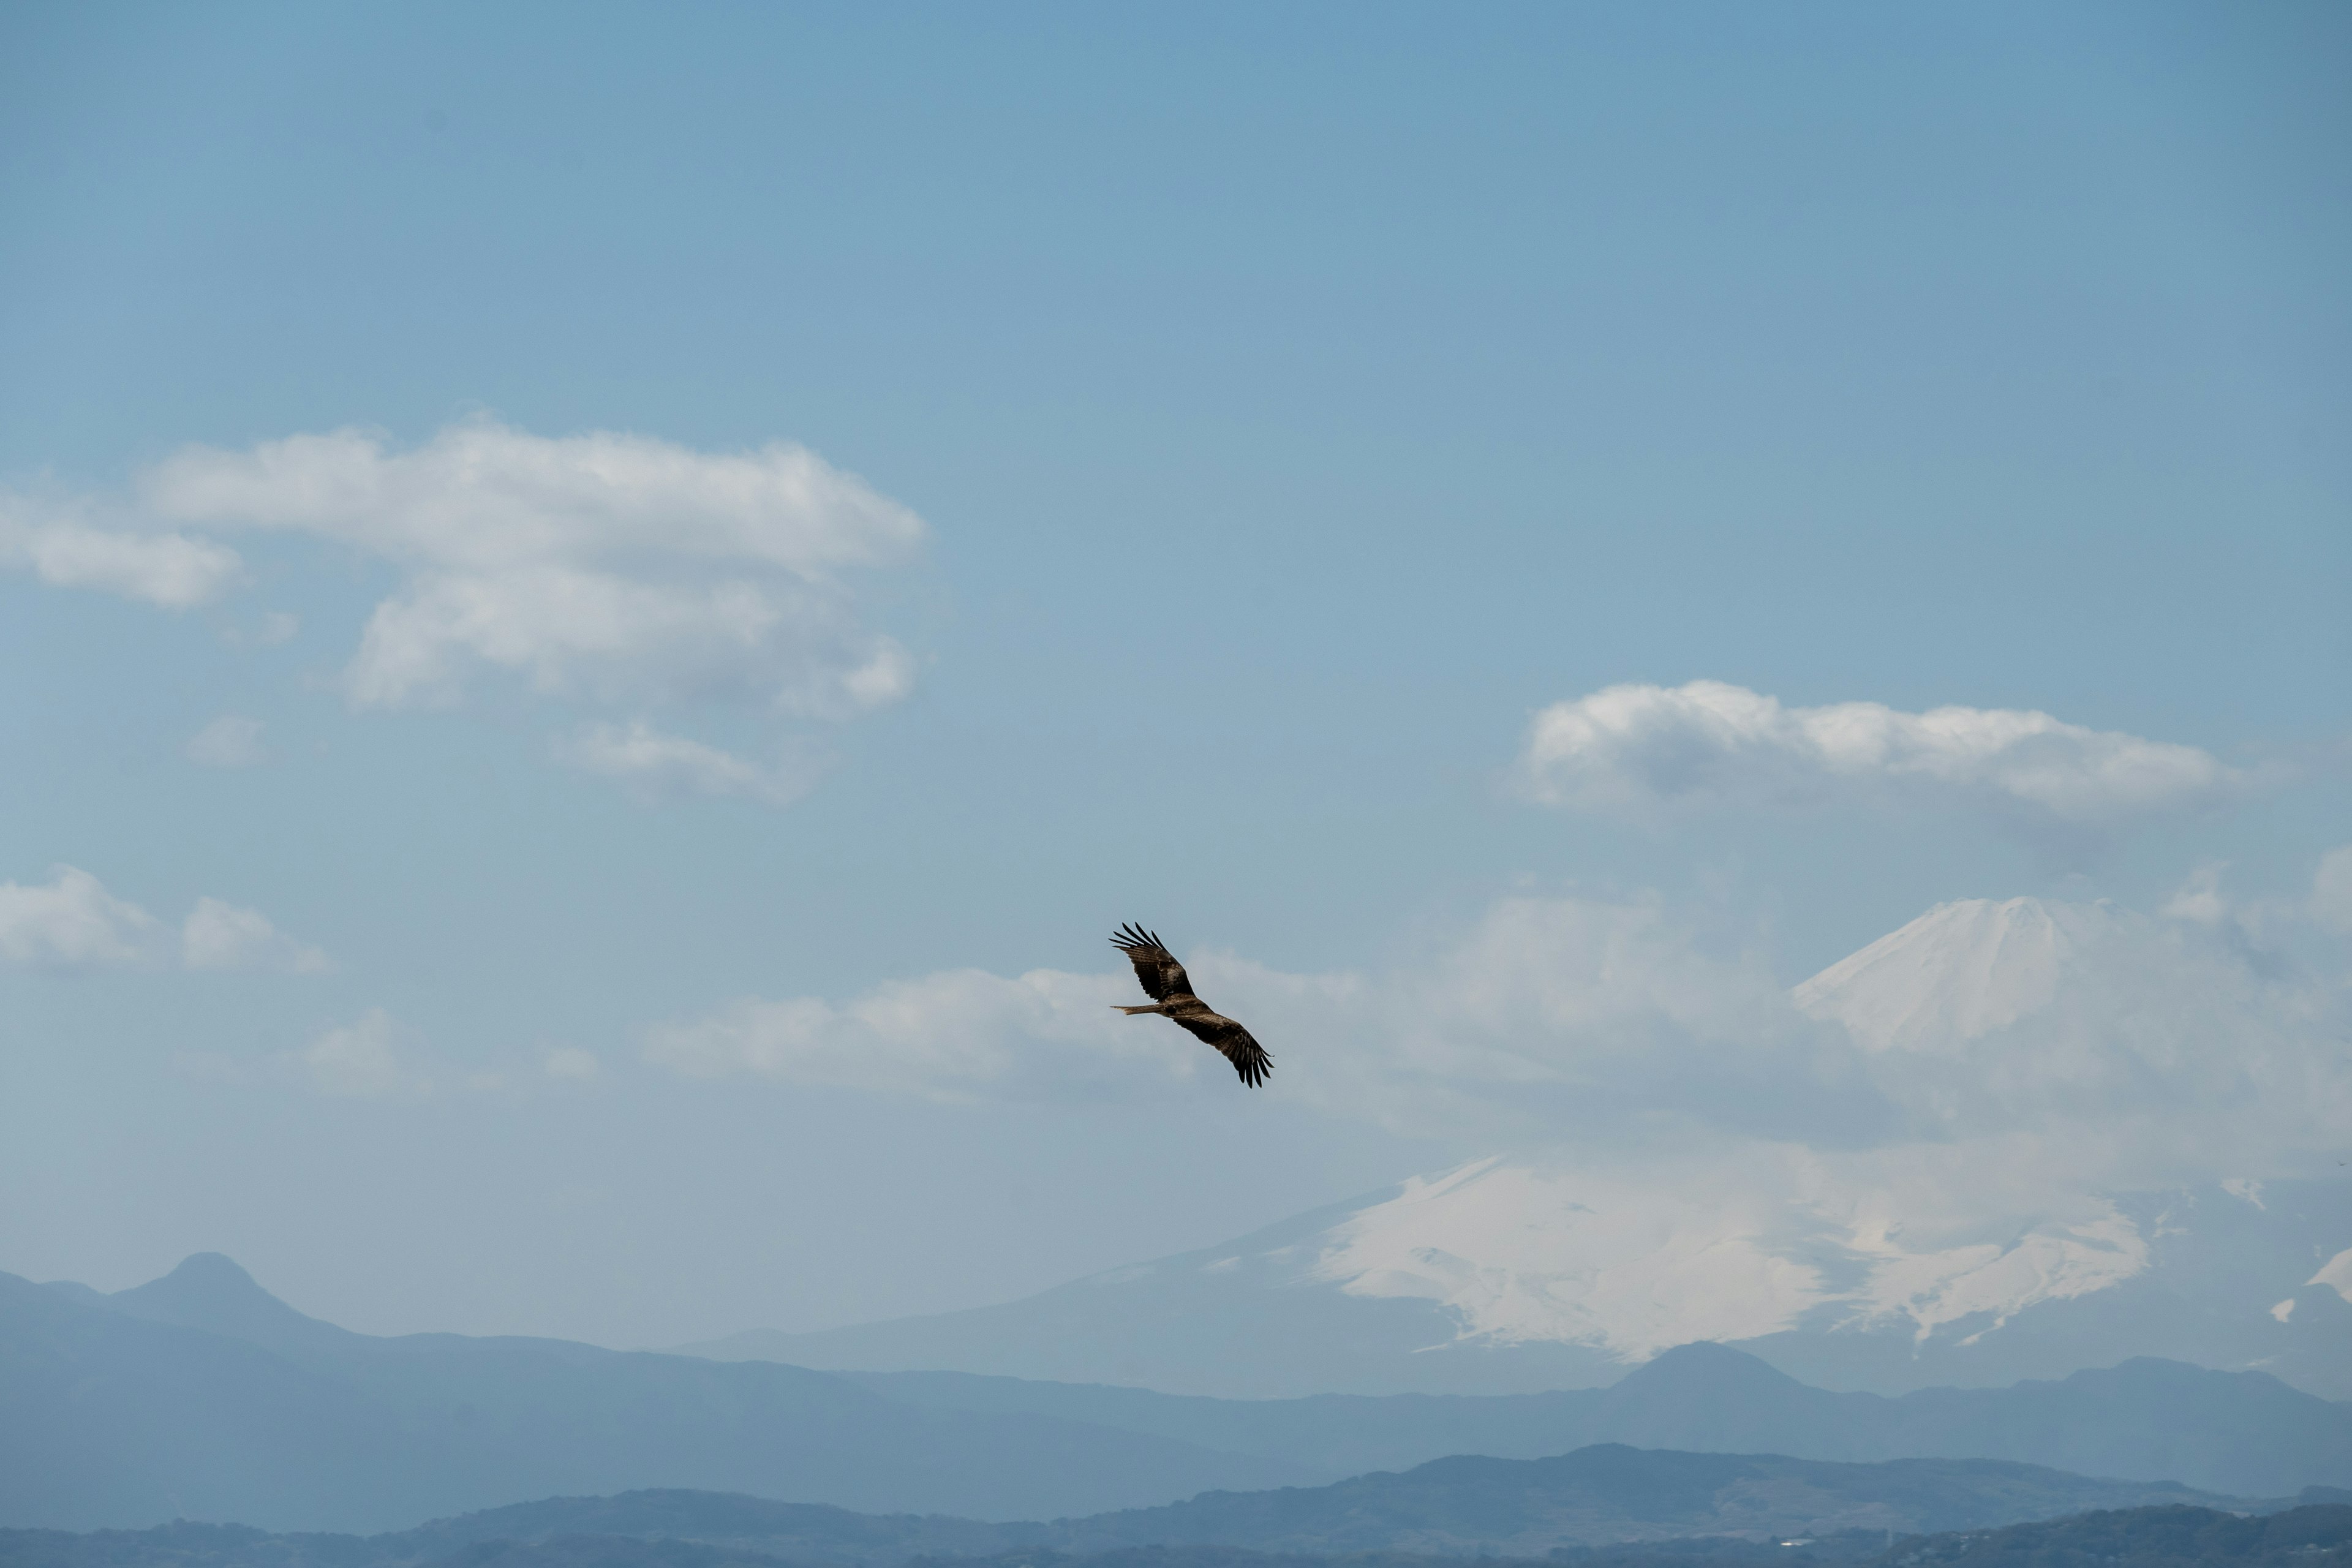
x: 1523, y: 1507
x: 2146, y: 1419
x: 1304, y: 1307
x: 1506, y: 1276
x: 1459, y: 1508
x: 201, y: 1396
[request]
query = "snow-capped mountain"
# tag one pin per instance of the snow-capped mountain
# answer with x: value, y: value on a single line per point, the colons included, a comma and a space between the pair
x: 2044, y: 1044
x: 1958, y: 972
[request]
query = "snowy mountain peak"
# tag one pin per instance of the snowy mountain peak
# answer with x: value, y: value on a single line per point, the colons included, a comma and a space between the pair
x: 1959, y: 971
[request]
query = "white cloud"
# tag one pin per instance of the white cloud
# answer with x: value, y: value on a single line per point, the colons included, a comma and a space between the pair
x: 570, y: 1064
x: 1640, y: 750
x: 273, y: 628
x: 58, y: 545
x: 609, y: 570
x: 231, y: 741
x: 653, y: 764
x: 218, y: 935
x: 71, y: 922
x: 358, y: 1061
x: 2200, y: 898
x: 605, y: 566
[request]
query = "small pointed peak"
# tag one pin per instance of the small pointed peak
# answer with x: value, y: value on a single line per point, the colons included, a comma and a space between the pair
x: 211, y: 1293
x: 1705, y: 1361
x: 213, y: 1268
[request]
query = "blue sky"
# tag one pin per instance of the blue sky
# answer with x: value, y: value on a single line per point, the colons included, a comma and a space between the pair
x: 1296, y: 404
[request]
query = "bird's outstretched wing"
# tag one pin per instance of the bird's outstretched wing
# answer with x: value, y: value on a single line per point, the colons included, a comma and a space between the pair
x: 1155, y: 966
x: 1249, y: 1057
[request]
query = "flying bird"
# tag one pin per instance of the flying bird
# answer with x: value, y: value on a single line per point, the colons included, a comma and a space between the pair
x: 1171, y: 990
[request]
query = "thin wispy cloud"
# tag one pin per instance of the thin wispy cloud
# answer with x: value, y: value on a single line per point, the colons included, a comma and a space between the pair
x: 231, y: 741
x: 2331, y: 890
x: 360, y: 1061
x: 962, y: 1034
x: 569, y: 1064
x: 654, y: 766
x: 218, y: 935
x: 1645, y: 750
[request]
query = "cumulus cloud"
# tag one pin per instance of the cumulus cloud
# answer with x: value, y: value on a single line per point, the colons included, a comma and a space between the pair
x: 58, y: 544
x: 606, y: 569
x: 359, y: 1061
x: 231, y: 741
x: 219, y: 935
x: 72, y: 922
x: 69, y: 922
x: 653, y: 765
x: 605, y: 566
x: 1642, y: 750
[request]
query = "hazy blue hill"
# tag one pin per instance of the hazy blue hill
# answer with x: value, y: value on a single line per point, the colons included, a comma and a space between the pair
x: 607, y: 1551
x: 1157, y: 1324
x: 114, y: 1417
x: 2145, y: 1420
x: 110, y: 1420
x: 2231, y: 1431
x: 209, y: 1292
x: 805, y: 1533
x: 1456, y: 1507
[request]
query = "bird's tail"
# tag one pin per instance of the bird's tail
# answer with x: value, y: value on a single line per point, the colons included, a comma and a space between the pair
x: 1133, y: 1011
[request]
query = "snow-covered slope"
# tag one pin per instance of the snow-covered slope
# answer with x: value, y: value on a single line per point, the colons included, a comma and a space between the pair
x: 1957, y: 973
x: 1981, y: 1255
x: 1632, y: 1271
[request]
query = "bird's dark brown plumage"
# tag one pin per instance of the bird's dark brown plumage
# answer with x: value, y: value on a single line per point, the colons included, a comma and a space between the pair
x: 1171, y: 990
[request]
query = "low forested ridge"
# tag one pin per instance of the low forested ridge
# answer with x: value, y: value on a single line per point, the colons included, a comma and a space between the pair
x: 1459, y: 1509
x: 2166, y: 1537
x: 2308, y: 1537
